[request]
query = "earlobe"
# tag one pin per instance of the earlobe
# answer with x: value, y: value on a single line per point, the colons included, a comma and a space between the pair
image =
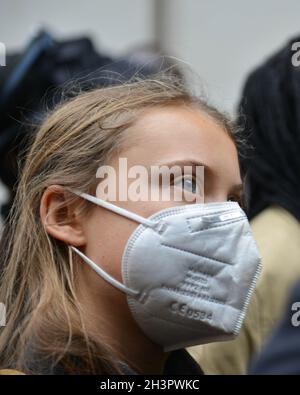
x: 59, y: 218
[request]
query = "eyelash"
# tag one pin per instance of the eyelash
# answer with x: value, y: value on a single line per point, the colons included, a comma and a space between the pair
x: 194, y: 178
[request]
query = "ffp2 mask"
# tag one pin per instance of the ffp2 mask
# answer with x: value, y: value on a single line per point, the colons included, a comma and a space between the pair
x: 188, y: 272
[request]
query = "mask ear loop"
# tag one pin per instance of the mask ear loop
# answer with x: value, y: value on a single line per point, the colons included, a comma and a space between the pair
x: 105, y: 275
x: 125, y: 213
x: 116, y: 209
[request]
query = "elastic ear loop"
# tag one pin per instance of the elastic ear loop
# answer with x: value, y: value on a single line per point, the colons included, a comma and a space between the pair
x: 120, y: 211
x: 116, y: 209
x: 105, y: 275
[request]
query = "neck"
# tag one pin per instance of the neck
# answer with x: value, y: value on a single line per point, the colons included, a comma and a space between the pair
x: 106, y: 314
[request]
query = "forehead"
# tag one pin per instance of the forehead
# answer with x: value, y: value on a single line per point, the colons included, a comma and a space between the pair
x: 176, y: 133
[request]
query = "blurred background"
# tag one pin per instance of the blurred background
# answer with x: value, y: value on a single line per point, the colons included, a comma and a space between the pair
x: 222, y: 41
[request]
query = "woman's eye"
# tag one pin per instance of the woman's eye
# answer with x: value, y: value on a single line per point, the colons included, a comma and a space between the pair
x: 188, y: 183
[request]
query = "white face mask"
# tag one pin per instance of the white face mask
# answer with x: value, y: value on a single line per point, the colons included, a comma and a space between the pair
x: 188, y: 272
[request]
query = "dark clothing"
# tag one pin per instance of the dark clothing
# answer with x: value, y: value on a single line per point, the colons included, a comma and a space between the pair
x: 282, y: 353
x: 178, y: 362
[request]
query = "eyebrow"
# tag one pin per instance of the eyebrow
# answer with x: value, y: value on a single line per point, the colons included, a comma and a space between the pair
x: 183, y: 162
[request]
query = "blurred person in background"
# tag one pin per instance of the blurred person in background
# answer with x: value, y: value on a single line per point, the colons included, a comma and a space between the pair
x: 281, y: 354
x: 270, y: 109
x: 49, y: 70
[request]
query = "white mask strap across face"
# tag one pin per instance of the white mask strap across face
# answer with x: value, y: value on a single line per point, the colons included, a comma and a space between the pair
x: 116, y: 209
x: 102, y: 273
x: 125, y: 213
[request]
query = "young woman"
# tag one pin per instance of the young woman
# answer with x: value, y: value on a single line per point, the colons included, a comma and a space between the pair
x: 95, y: 288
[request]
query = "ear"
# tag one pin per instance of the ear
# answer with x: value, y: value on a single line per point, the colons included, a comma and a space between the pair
x: 61, y: 220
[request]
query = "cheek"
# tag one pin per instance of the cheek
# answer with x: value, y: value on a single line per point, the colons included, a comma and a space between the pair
x: 107, y: 234
x: 106, y: 238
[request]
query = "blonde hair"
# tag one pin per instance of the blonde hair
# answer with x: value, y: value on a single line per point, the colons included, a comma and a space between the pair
x: 38, y: 273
